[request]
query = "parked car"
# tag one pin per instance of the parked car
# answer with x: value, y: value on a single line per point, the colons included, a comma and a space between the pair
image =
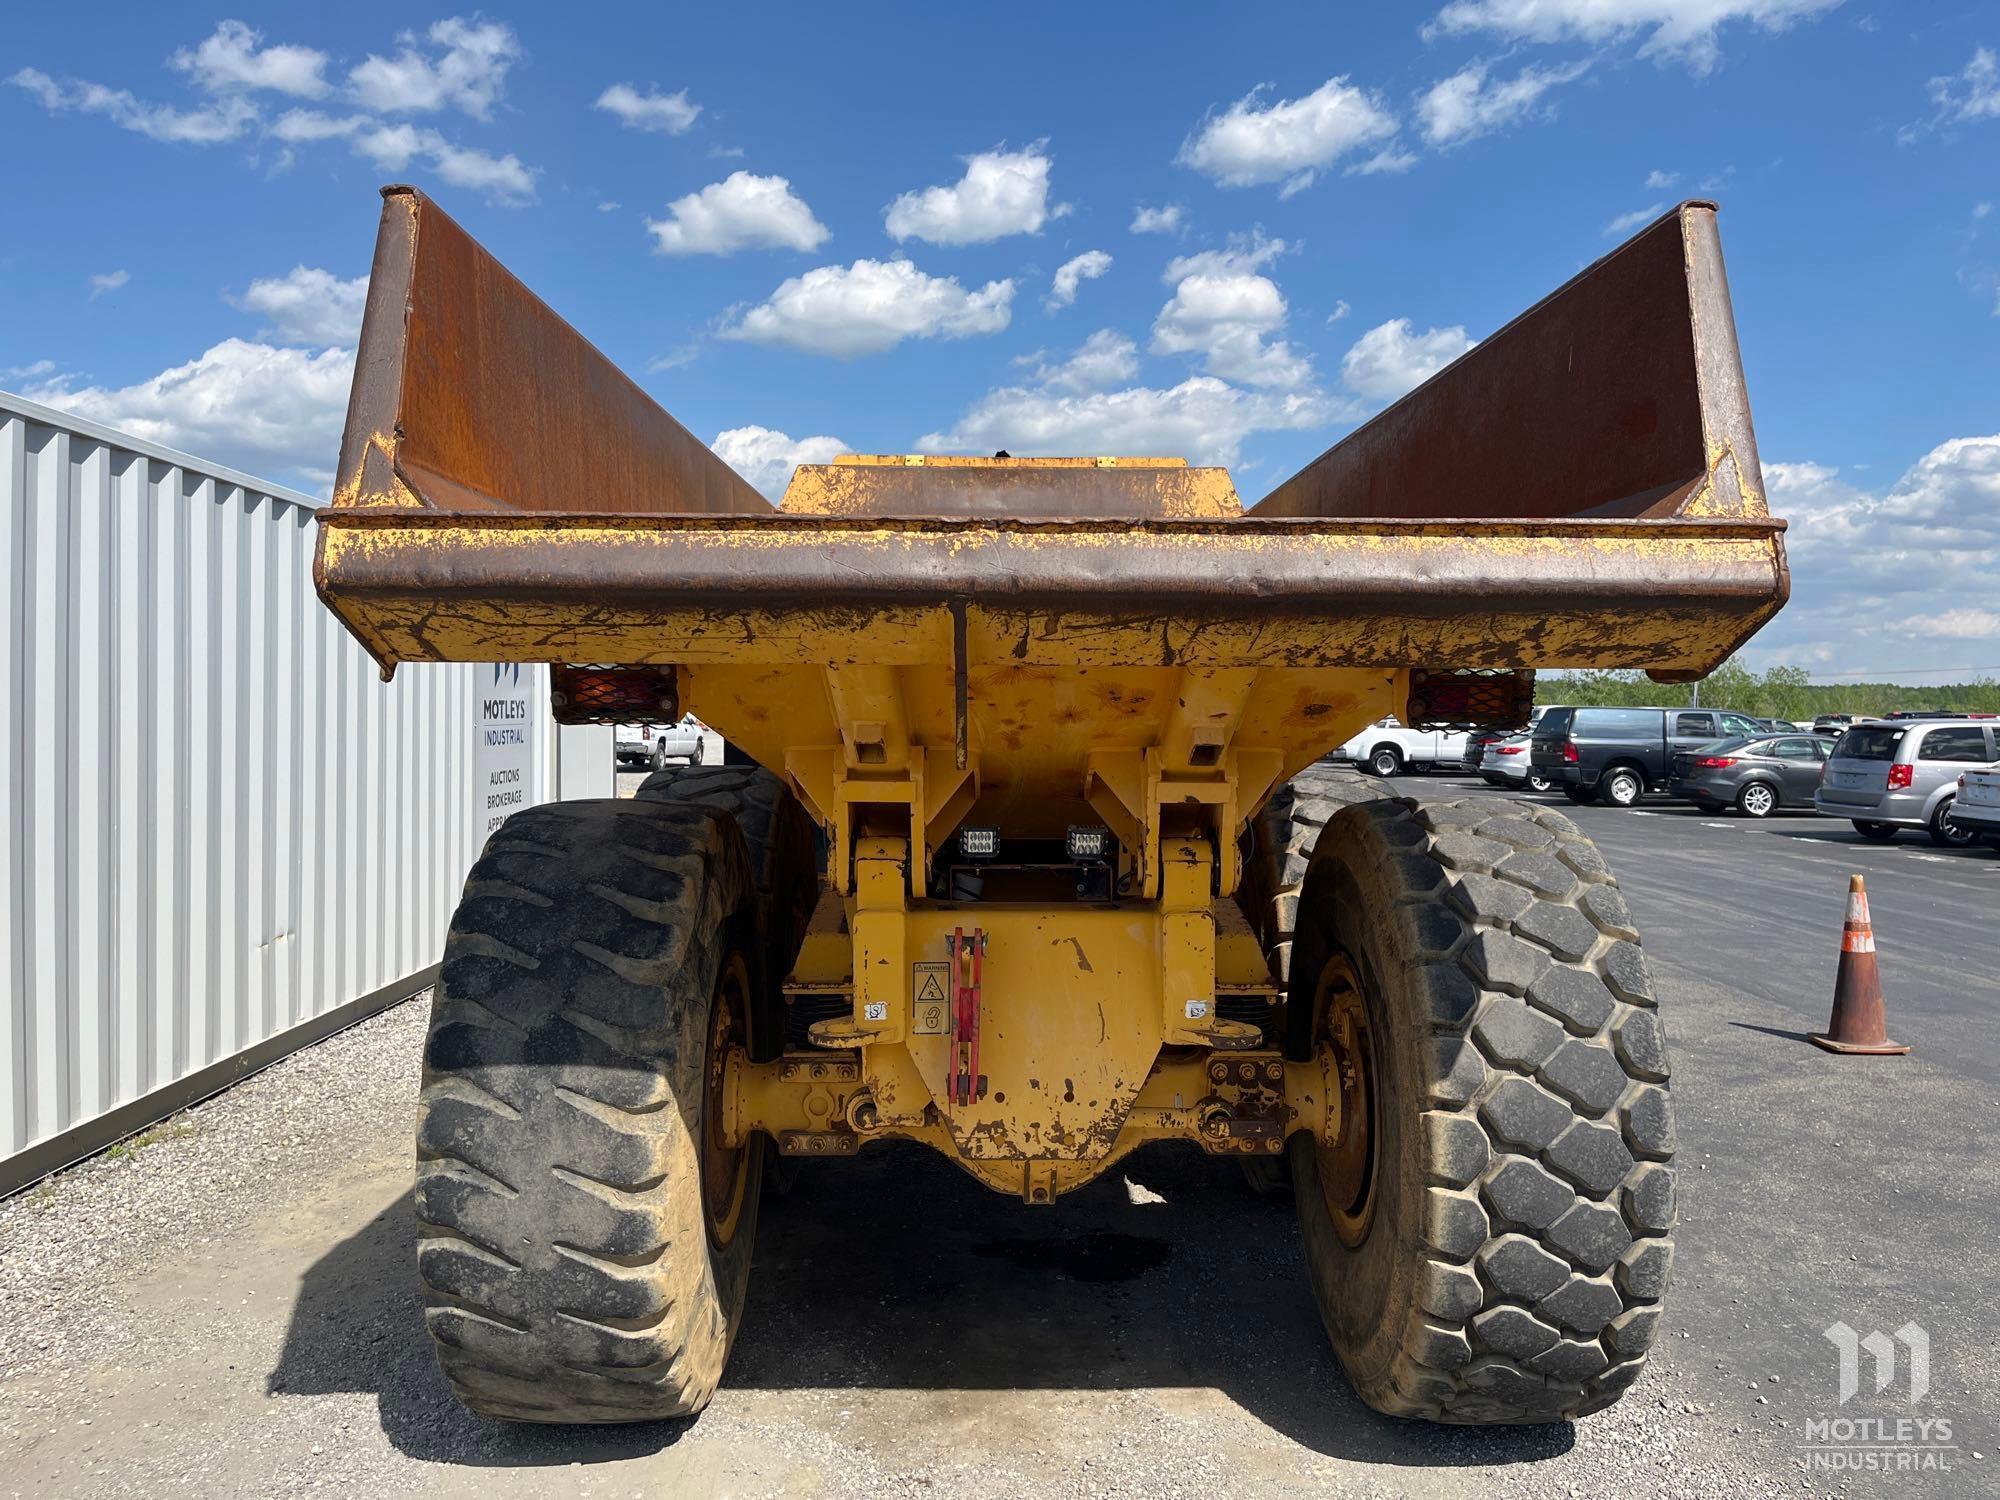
x: 1756, y: 777
x: 652, y: 745
x: 1884, y: 777
x: 1508, y: 763
x: 1388, y: 749
x: 1619, y: 754
x: 1976, y: 808
x: 1781, y: 726
x: 1835, y: 723
x: 1478, y: 742
x: 1935, y: 713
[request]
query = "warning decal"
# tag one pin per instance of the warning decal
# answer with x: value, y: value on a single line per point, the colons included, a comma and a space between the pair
x: 930, y: 997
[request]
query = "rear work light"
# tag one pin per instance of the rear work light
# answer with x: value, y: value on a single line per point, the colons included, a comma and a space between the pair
x: 1089, y: 843
x: 1569, y: 752
x: 1902, y: 775
x: 979, y: 843
x: 1715, y: 762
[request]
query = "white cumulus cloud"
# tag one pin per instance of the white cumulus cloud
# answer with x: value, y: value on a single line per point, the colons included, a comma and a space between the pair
x: 1392, y: 359
x: 254, y: 406
x: 223, y: 119
x: 1965, y: 623
x: 1105, y: 359
x: 1001, y: 193
x: 1225, y: 320
x: 233, y: 57
x: 303, y: 126
x: 1071, y: 273
x: 1289, y: 141
x: 742, y: 212
x: 107, y: 281
x: 767, y: 457
x: 465, y: 68
x: 1973, y: 94
x: 503, y: 179
x: 1896, y: 579
x: 1470, y: 104
x: 1242, y: 254
x: 307, y: 305
x: 672, y: 113
x: 869, y: 307
x: 1203, y: 419
x: 1163, y: 220
x: 1627, y: 222
x: 1682, y: 29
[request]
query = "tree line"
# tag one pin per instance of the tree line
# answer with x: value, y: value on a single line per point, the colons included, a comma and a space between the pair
x: 1779, y: 693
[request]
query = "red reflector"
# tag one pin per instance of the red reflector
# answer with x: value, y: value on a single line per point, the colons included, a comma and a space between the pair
x: 1901, y: 776
x: 1569, y: 752
x: 1715, y: 762
x: 1508, y: 749
x: 613, y: 695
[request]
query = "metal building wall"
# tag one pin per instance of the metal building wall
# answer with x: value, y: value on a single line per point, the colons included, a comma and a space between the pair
x: 225, y: 836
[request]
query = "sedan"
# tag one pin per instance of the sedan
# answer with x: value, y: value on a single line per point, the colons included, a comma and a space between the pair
x: 1507, y: 763
x: 1754, y: 776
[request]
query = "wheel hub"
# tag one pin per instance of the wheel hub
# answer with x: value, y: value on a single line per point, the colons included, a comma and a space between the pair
x: 725, y: 1170
x: 1346, y: 1162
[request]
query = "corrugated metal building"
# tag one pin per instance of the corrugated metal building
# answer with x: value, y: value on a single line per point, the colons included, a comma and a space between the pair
x: 225, y: 836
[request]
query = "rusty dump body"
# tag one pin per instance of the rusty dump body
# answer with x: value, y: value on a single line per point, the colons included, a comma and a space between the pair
x: 920, y: 643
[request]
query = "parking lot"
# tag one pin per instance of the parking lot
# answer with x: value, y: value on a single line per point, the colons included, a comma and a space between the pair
x: 232, y: 1308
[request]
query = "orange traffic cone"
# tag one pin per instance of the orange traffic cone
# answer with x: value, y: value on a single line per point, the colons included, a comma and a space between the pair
x: 1858, y: 1023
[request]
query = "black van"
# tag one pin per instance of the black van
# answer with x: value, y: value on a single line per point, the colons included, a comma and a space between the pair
x: 1619, y: 754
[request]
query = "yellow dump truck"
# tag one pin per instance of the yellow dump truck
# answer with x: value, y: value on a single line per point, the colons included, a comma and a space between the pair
x: 1023, y: 851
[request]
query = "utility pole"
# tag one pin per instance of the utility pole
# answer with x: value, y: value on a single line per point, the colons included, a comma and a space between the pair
x: 1694, y: 693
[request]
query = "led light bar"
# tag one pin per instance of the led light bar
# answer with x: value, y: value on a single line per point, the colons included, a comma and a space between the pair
x: 1089, y: 843
x: 979, y: 843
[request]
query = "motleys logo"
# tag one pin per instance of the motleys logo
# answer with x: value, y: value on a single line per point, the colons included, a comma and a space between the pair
x: 1880, y: 1444
x: 1883, y: 1352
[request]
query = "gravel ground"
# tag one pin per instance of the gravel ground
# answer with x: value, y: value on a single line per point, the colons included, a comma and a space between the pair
x: 233, y: 1309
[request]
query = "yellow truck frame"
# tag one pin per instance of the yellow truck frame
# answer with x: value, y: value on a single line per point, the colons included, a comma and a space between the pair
x: 1024, y: 851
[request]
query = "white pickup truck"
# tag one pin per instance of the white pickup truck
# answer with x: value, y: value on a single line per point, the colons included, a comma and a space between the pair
x: 1388, y: 749
x: 1976, y: 808
x: 653, y: 745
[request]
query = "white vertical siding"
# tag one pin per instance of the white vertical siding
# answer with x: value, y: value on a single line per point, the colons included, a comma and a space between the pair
x: 222, y: 827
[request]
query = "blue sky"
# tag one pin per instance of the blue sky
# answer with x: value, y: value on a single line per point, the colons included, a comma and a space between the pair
x: 805, y: 228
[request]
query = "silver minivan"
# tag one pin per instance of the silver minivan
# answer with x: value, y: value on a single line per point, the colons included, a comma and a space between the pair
x: 1886, y: 776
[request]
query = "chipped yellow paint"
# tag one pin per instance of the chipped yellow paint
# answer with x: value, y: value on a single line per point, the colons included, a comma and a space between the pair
x: 854, y: 483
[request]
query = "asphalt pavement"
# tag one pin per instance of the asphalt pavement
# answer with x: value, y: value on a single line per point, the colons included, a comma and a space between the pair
x: 234, y: 1309
x: 1758, y: 903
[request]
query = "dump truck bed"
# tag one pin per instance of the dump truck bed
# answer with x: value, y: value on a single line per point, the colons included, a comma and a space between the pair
x: 1580, y: 490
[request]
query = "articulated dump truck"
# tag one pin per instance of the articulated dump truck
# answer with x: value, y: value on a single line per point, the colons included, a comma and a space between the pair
x: 1024, y: 850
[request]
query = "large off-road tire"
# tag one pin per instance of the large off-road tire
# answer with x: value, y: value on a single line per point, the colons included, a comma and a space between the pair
x: 1280, y: 848
x: 1488, y: 1239
x: 584, y: 1237
x: 1275, y: 855
x: 785, y: 865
